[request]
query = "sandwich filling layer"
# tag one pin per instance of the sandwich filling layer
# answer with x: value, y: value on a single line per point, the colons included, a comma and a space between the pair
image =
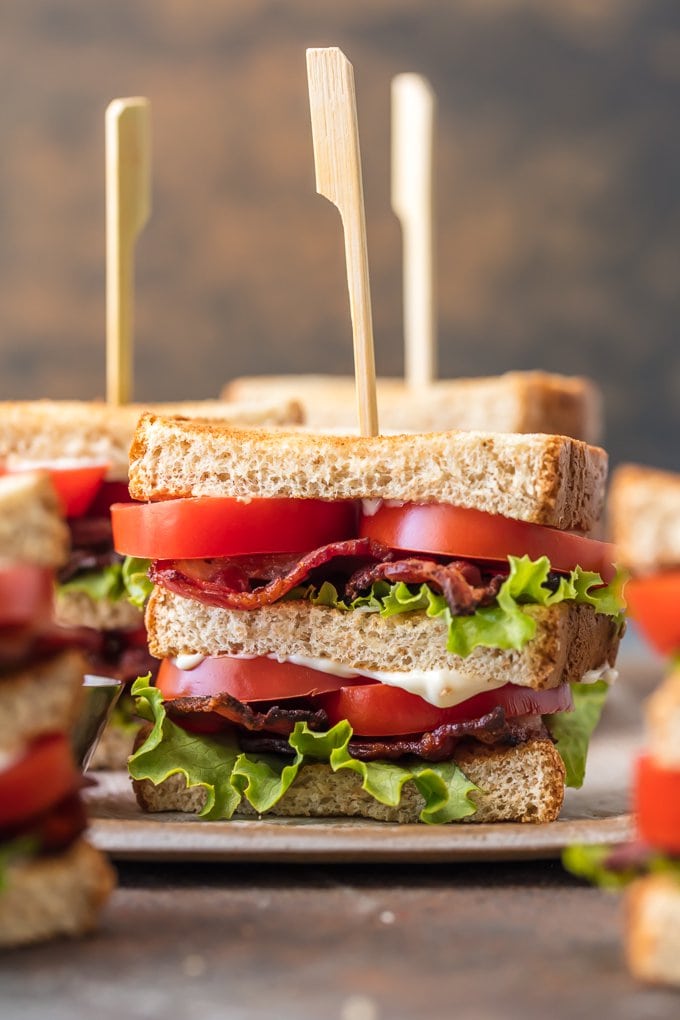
x: 265, y: 712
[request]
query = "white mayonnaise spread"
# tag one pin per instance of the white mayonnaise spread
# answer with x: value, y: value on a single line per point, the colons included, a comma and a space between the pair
x: 605, y: 672
x: 440, y: 687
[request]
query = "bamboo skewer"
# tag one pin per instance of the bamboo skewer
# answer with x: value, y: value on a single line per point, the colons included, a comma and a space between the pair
x: 413, y: 108
x: 128, y: 205
x: 337, y: 161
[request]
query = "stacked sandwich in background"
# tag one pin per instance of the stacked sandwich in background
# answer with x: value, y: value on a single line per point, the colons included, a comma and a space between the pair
x: 650, y: 866
x: 399, y: 627
x: 84, y: 445
x: 514, y: 402
x: 51, y: 881
x: 644, y: 514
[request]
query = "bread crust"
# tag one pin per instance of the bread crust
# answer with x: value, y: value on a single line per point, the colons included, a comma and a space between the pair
x: 653, y: 929
x: 514, y: 402
x: 32, y: 530
x: 570, y: 639
x: 548, y: 480
x: 43, y: 697
x: 94, y: 430
x: 58, y: 894
x: 644, y: 517
x: 517, y: 784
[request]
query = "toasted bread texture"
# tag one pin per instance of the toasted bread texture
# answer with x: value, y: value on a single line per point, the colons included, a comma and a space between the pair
x: 42, y: 430
x: 78, y: 609
x: 514, y: 402
x: 31, y: 527
x: 516, y: 784
x: 644, y: 517
x: 662, y: 712
x: 569, y: 640
x: 42, y: 697
x: 547, y: 480
x: 653, y: 929
x: 56, y: 894
x: 114, y: 748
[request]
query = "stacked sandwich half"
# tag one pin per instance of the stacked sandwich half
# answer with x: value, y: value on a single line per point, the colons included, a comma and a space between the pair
x: 401, y: 627
x: 51, y: 881
x: 84, y: 446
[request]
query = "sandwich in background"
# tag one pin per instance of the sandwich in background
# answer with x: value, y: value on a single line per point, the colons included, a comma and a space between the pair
x: 52, y: 882
x: 514, y: 402
x: 84, y: 446
x: 649, y: 867
x: 644, y: 523
x: 395, y: 627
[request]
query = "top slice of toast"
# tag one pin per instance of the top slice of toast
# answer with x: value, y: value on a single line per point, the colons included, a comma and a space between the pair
x: 550, y: 480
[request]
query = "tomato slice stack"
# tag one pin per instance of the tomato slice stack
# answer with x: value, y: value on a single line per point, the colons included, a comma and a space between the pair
x: 657, y: 805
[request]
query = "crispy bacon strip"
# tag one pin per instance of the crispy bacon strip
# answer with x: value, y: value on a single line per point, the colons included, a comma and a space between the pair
x: 459, y: 582
x: 274, y: 720
x: 438, y: 745
x: 223, y: 583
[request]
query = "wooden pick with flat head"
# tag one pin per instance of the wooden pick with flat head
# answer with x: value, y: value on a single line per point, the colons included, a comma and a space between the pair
x: 128, y: 205
x: 413, y: 109
x: 337, y: 160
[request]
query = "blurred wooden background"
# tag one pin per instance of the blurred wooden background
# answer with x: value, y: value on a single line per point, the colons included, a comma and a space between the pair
x: 558, y: 178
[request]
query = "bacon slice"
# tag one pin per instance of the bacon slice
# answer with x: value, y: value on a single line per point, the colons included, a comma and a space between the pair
x: 438, y: 745
x: 223, y: 583
x: 274, y: 720
x: 460, y: 582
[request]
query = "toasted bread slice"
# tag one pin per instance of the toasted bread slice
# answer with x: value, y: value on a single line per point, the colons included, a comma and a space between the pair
x: 547, y: 480
x: 569, y: 641
x: 78, y: 609
x: 31, y: 527
x: 57, y: 894
x: 644, y: 517
x: 653, y: 929
x: 44, y: 430
x: 514, y: 402
x: 516, y: 784
x: 41, y: 697
x: 662, y: 712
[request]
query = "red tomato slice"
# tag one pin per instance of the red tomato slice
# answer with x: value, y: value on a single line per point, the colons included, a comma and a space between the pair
x: 473, y: 534
x: 246, y: 679
x: 26, y: 596
x: 653, y: 602
x: 76, y: 482
x: 657, y: 805
x: 383, y: 711
x: 39, y: 779
x: 204, y: 527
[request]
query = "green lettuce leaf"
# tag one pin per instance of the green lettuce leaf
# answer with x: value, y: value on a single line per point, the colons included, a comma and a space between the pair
x: 217, y: 765
x: 590, y: 862
x: 114, y: 582
x: 506, y: 624
x: 572, y: 731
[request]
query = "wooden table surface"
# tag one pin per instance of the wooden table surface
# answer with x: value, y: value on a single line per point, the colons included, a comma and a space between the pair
x: 347, y: 942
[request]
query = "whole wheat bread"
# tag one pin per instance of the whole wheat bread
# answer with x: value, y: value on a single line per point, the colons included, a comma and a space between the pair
x: 31, y: 527
x: 55, y: 894
x: 644, y: 517
x: 547, y: 480
x: 514, y: 402
x: 43, y: 430
x: 78, y: 609
x: 41, y: 697
x: 570, y: 639
x: 653, y: 929
x: 516, y: 784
